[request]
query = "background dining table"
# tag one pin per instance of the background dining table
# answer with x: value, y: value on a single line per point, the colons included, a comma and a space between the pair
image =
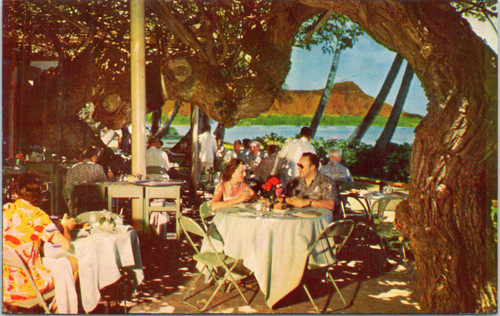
x: 274, y: 245
x: 101, y: 253
x: 374, y: 198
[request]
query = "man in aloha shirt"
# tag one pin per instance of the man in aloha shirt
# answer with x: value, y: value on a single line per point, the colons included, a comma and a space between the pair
x: 311, y: 188
x: 24, y: 227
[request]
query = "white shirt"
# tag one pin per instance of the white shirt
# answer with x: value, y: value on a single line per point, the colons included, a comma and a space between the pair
x: 157, y: 157
x: 208, y: 147
x: 291, y: 153
x: 231, y: 154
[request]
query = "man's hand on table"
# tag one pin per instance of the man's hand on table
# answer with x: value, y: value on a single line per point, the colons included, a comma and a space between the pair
x: 298, y: 202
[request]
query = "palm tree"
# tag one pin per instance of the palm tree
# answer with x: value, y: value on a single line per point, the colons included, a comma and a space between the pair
x: 379, y: 101
x: 397, y: 109
x: 324, y: 29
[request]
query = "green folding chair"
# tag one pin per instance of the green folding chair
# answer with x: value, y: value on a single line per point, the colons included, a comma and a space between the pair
x: 333, y: 239
x: 220, y: 266
x: 206, y: 213
x: 11, y: 258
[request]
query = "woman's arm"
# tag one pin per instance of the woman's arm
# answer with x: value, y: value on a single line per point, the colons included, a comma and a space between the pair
x: 63, y: 237
x: 62, y: 240
x: 217, y: 199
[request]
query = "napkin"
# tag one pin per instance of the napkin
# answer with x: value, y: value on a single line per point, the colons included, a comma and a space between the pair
x: 305, y: 215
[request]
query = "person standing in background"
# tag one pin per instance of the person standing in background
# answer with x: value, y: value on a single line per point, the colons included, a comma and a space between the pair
x: 285, y: 165
x: 208, y: 148
x: 219, y: 155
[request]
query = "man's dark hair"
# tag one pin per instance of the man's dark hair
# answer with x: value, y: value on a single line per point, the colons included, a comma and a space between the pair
x: 272, y: 149
x: 313, y: 158
x: 246, y: 142
x: 306, y: 132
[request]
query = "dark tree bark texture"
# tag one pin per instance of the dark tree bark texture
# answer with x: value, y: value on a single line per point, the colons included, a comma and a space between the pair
x: 447, y: 214
x: 193, y: 80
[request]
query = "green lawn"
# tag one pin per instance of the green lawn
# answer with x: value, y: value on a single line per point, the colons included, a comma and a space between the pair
x: 295, y: 120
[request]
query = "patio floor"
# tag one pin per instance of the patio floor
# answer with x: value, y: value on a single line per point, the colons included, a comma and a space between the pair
x: 371, y: 280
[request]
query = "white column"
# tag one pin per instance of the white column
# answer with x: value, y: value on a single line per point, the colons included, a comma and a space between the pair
x: 138, y: 101
x: 195, y: 117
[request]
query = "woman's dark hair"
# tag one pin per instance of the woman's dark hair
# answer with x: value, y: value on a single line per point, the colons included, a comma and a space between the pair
x: 30, y: 194
x: 231, y: 167
x: 90, y: 152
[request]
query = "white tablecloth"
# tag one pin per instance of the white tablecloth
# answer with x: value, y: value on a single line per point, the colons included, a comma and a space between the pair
x: 100, y: 256
x: 274, y: 248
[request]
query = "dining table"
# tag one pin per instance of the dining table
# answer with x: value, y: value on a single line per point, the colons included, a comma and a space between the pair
x: 102, y: 252
x: 273, y: 244
x: 371, y: 198
x: 146, y: 192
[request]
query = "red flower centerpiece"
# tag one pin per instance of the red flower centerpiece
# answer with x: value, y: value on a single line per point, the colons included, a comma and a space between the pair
x: 272, y: 189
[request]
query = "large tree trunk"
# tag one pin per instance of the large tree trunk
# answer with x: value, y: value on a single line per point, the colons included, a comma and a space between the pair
x: 360, y: 131
x: 326, y: 92
x: 392, y: 122
x: 447, y: 215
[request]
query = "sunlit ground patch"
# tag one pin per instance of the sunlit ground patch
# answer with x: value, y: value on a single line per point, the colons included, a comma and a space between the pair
x: 406, y: 302
x: 247, y: 309
x: 166, y: 309
x: 354, y: 263
x: 392, y: 293
x: 227, y: 311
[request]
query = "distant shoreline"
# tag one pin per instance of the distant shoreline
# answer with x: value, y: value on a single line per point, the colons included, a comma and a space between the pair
x: 305, y: 120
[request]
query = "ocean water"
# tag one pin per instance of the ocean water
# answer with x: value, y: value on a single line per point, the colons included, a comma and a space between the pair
x: 401, y: 135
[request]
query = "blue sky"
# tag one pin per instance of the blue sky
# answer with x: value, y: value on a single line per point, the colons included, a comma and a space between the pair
x: 367, y: 65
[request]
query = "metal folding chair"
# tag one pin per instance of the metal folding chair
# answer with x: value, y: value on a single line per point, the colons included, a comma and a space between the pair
x: 220, y: 266
x: 11, y: 258
x: 333, y: 239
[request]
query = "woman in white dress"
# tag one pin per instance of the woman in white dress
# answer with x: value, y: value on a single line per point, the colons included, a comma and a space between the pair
x: 232, y: 190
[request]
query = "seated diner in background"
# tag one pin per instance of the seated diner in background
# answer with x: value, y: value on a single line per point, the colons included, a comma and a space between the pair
x: 232, y: 190
x: 25, y: 226
x: 311, y: 188
x: 334, y: 169
x: 87, y: 171
x: 157, y: 162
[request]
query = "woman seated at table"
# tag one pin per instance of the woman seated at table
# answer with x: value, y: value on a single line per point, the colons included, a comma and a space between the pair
x: 24, y: 227
x: 232, y: 190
